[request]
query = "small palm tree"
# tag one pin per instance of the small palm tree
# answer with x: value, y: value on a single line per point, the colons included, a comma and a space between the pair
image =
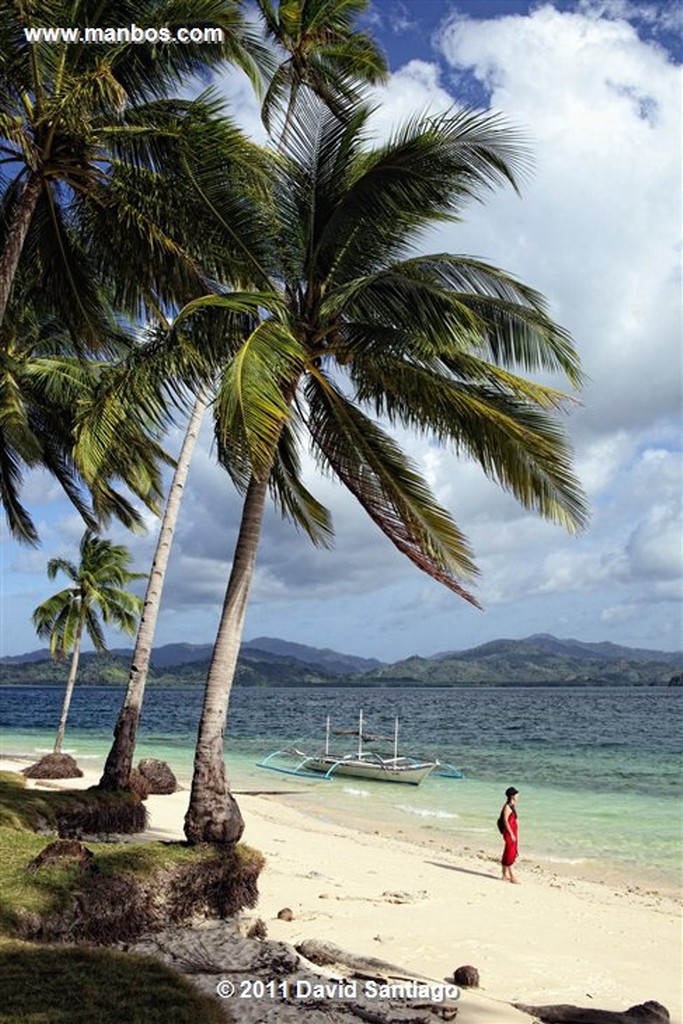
x: 97, y: 597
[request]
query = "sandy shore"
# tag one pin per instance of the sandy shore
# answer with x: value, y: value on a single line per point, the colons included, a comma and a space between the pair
x: 430, y: 909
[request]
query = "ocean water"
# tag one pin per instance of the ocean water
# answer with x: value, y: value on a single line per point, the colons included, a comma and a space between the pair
x: 599, y: 770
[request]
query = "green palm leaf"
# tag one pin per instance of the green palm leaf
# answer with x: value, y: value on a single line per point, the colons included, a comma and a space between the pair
x: 251, y: 404
x: 387, y: 486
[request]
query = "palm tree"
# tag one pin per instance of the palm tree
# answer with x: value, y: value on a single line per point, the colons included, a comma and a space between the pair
x: 321, y: 51
x: 326, y: 55
x: 86, y: 133
x: 48, y: 394
x: 368, y: 329
x: 97, y: 597
x: 99, y: 216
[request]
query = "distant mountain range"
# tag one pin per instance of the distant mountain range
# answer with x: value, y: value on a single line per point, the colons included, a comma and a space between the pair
x: 539, y: 660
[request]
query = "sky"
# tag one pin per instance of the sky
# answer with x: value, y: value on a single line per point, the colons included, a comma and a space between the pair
x: 595, y: 87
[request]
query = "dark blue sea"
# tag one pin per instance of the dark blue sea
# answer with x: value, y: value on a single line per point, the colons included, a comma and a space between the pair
x: 599, y: 770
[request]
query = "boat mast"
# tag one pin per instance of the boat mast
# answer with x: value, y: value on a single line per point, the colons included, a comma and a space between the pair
x: 360, y: 734
x: 327, y: 736
x: 396, y: 738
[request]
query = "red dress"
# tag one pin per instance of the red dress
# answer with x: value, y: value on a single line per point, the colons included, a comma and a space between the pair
x: 510, y: 849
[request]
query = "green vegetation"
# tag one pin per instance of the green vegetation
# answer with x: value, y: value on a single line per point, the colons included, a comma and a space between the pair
x: 98, y: 596
x: 53, y: 985
x: 65, y: 811
x: 111, y: 670
x: 106, y: 892
x: 500, y: 663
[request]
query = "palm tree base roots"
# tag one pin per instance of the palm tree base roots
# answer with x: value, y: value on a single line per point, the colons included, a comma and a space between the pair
x: 54, y: 766
x: 105, y: 910
x: 218, y: 820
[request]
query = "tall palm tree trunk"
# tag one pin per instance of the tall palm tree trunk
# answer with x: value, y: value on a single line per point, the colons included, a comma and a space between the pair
x: 213, y: 815
x: 16, y: 236
x: 119, y: 762
x: 75, y: 655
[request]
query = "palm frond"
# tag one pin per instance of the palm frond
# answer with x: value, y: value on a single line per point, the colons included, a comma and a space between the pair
x: 501, y: 421
x: 94, y: 630
x: 387, y: 486
x: 252, y: 404
x: 293, y: 499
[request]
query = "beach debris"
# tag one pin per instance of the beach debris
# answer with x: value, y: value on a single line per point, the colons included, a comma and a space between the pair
x: 286, y: 914
x: 466, y: 976
x: 62, y: 849
x: 385, y: 897
x: 161, y: 779
x: 650, y: 1012
x: 278, y: 986
x: 404, y: 897
x: 258, y: 930
x: 53, y: 766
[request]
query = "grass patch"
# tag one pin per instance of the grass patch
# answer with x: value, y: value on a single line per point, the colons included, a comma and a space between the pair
x: 125, y: 889
x: 121, y: 891
x: 48, y: 985
x: 72, y: 812
x: 28, y: 896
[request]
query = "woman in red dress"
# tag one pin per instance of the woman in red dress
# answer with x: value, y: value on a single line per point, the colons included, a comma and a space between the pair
x: 507, y: 824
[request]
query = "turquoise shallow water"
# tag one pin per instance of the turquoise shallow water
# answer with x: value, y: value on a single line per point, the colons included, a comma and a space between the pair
x: 599, y: 770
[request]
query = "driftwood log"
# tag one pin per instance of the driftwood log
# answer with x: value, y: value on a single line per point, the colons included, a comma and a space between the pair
x: 650, y: 1012
x: 326, y: 954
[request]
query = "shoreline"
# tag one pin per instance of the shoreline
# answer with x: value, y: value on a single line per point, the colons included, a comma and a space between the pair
x: 430, y: 908
x: 423, y: 828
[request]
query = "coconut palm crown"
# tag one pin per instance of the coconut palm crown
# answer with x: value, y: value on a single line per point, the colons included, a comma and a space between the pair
x: 322, y: 51
x: 92, y: 137
x: 370, y: 335
x: 101, y: 219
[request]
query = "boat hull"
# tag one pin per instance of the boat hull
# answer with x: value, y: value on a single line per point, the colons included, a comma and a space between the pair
x: 407, y: 774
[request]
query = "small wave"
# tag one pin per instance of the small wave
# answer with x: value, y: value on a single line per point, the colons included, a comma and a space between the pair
x: 566, y: 860
x: 355, y: 792
x: 422, y: 812
x: 72, y: 752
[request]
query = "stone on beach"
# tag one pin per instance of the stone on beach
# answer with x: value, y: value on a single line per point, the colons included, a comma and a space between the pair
x: 139, y: 784
x: 466, y: 976
x: 159, y: 776
x: 53, y: 766
x: 650, y: 1012
x: 267, y: 982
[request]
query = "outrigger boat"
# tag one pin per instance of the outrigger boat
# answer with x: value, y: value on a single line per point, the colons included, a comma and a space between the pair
x: 362, y: 764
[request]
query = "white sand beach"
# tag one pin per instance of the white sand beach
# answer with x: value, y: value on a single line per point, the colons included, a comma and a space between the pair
x: 551, y: 939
